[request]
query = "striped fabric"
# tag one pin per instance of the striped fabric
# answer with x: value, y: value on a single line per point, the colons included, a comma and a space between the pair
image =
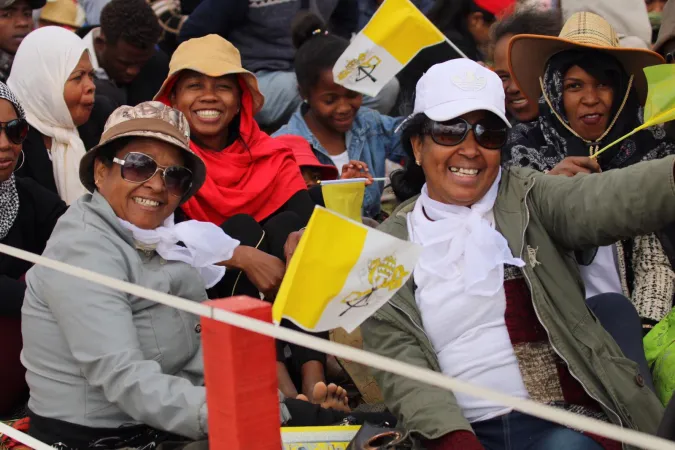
x: 545, y: 375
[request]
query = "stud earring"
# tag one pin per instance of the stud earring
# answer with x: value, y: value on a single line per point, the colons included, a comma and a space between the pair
x: 418, y: 162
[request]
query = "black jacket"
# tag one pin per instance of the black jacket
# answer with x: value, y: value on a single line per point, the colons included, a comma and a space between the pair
x: 35, y: 162
x: 39, y: 210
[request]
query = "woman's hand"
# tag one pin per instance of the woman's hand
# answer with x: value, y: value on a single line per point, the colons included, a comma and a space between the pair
x: 573, y: 165
x: 356, y: 169
x: 291, y: 244
x: 263, y: 270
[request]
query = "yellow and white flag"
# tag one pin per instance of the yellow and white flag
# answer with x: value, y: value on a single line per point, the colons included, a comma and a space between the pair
x: 344, y: 196
x: 395, y: 34
x: 341, y: 273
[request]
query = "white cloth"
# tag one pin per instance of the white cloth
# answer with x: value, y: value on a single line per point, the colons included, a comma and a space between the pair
x: 89, y: 43
x: 205, y: 245
x: 461, y: 298
x: 340, y: 160
x: 42, y: 65
x: 602, y: 275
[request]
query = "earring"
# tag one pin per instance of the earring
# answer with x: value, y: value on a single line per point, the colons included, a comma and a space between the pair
x: 418, y: 162
x: 23, y: 160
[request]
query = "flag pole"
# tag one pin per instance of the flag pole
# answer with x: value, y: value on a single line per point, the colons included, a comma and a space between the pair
x: 455, y: 48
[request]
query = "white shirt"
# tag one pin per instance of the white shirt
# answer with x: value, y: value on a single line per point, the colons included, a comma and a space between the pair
x: 602, y: 275
x: 340, y: 160
x: 466, y: 324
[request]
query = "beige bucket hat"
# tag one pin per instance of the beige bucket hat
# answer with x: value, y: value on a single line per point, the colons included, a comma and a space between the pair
x: 528, y: 54
x: 152, y: 120
x: 213, y: 56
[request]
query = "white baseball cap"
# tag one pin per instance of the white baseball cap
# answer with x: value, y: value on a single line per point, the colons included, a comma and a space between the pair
x: 456, y: 87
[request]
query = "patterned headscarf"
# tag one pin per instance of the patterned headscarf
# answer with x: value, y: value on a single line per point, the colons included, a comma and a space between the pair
x: 9, y: 197
x: 545, y: 142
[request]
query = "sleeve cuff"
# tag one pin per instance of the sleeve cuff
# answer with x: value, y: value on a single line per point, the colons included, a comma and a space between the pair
x: 457, y: 440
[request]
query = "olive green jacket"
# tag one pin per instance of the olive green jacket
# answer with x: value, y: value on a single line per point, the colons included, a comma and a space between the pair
x: 544, y: 218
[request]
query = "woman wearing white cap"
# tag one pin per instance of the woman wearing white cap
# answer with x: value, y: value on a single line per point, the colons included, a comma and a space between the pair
x: 496, y: 298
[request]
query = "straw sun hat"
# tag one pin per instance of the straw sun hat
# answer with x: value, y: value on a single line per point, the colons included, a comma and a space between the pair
x: 151, y: 120
x: 213, y: 56
x: 528, y: 54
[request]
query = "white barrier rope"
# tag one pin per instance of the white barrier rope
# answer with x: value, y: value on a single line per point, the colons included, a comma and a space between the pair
x: 638, y: 439
x: 23, y: 438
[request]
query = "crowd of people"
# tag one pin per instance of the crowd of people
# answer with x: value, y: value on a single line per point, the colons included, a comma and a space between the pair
x: 188, y: 159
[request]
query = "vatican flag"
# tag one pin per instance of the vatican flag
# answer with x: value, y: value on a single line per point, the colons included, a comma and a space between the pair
x: 341, y: 273
x: 396, y: 33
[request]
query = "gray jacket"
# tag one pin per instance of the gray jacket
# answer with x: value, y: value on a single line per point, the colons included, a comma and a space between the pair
x: 98, y: 357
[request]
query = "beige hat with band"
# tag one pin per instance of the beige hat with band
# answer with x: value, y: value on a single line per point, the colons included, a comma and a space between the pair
x: 152, y: 120
x: 213, y: 56
x: 528, y: 54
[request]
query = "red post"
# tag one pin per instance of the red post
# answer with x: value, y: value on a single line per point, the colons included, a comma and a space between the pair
x: 241, y: 380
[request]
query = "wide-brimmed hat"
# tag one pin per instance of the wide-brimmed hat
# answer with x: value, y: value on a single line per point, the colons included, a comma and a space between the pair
x: 305, y: 157
x: 152, y: 120
x: 528, y: 54
x: 213, y: 56
x: 63, y: 12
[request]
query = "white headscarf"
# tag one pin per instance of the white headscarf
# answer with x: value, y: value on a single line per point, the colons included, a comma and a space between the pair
x: 41, y: 67
x: 461, y: 246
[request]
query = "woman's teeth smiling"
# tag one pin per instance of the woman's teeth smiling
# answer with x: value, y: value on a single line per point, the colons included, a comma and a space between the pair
x: 146, y: 202
x: 208, y: 113
x: 462, y: 172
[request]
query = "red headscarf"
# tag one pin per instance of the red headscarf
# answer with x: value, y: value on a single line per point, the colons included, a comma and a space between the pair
x: 255, y: 178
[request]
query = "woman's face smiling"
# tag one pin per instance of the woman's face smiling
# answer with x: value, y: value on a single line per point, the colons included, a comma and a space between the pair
x: 332, y: 105
x: 587, y: 102
x: 517, y: 104
x: 442, y: 166
x: 209, y: 104
x: 148, y: 204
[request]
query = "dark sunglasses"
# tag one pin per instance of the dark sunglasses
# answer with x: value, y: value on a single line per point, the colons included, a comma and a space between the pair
x: 16, y: 130
x: 488, y: 133
x: 139, y: 168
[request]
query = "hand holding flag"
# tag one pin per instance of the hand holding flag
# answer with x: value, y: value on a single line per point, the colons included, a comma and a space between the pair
x: 341, y: 273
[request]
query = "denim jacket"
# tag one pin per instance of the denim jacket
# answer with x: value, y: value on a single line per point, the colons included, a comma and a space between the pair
x: 372, y: 140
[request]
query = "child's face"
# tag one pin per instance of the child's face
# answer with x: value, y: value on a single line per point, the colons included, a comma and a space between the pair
x: 311, y: 175
x: 333, y: 105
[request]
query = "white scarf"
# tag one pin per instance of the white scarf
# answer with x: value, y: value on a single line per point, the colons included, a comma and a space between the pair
x: 205, y: 245
x: 42, y: 65
x: 461, y: 245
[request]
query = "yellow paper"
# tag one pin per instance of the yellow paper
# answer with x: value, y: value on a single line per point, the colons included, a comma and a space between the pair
x: 402, y: 30
x: 345, y: 198
x: 660, y: 104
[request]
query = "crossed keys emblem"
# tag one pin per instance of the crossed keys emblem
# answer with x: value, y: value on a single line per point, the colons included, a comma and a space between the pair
x: 364, y: 66
x: 383, y: 273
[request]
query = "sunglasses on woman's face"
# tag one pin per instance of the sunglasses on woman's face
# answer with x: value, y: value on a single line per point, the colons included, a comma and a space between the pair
x: 139, y: 168
x: 16, y: 130
x: 488, y: 133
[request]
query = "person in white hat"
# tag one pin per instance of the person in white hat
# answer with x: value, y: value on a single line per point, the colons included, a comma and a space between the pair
x: 496, y: 298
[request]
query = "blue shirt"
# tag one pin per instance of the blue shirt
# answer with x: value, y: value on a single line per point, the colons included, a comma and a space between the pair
x: 372, y: 140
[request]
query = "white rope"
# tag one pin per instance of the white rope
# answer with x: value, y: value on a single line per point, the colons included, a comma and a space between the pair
x: 640, y: 440
x: 23, y: 438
